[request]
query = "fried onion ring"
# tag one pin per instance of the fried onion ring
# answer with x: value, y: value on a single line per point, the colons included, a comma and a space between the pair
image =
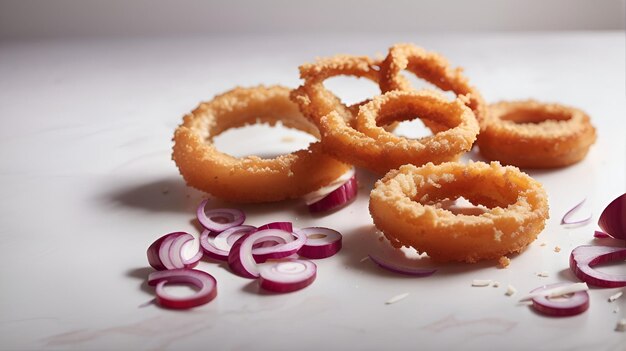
x: 431, y: 67
x: 315, y: 101
x: 250, y: 179
x: 531, y: 134
x: 405, y: 207
x: 376, y: 149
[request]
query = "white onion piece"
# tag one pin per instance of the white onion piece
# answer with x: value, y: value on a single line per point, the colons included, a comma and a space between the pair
x: 287, y: 276
x: 321, y: 193
x: 240, y: 258
x: 585, y: 257
x: 219, y: 219
x: 205, y: 282
x: 320, y: 242
x: 562, y: 306
x: 167, y: 252
x: 218, y: 247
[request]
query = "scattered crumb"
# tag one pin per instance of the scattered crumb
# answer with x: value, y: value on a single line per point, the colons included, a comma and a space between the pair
x: 396, y: 298
x: 543, y: 244
x: 381, y: 239
x: 165, y: 190
x: 543, y: 274
x: 510, y: 290
x: 496, y: 284
x: 504, y: 262
x: 557, y: 249
x: 287, y: 139
x: 481, y: 282
x: 621, y: 325
x: 616, y: 309
x: 615, y: 296
x: 364, y: 259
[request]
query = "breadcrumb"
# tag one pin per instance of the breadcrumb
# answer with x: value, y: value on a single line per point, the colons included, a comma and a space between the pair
x: 504, y: 262
x: 557, y: 249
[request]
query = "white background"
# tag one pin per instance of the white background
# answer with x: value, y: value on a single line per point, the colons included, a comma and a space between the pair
x: 91, y: 92
x: 121, y: 18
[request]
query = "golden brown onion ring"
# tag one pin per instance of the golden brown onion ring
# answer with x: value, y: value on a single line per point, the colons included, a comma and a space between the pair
x: 315, y: 101
x: 404, y: 207
x: 250, y: 179
x: 536, y: 135
x: 431, y: 67
x: 372, y: 147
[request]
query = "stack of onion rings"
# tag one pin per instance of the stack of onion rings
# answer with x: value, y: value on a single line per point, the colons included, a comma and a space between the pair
x: 404, y: 207
x: 536, y: 135
x: 250, y: 179
x: 364, y: 143
x: 431, y: 67
x: 369, y: 146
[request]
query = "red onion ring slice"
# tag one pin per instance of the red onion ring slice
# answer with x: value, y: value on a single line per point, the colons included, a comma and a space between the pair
x: 613, y: 219
x: 321, y: 193
x: 176, y: 255
x: 320, y: 242
x: 568, y: 305
x: 285, y: 248
x: 205, y: 282
x: 229, y: 217
x: 584, y: 258
x: 287, y: 276
x: 337, y: 199
x: 396, y: 268
x: 240, y: 258
x: 566, y: 217
x: 601, y: 235
x: 159, y: 251
x: 219, y: 246
x: 286, y: 226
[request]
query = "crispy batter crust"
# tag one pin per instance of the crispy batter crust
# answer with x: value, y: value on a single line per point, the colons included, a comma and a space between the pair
x: 404, y: 207
x: 431, y: 67
x: 372, y: 147
x: 250, y: 179
x: 536, y: 135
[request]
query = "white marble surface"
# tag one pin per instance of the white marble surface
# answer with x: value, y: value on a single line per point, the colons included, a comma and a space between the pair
x: 85, y: 159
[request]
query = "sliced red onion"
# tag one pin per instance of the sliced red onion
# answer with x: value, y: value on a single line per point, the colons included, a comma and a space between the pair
x: 583, y: 258
x: 562, y: 306
x: 613, y: 219
x: 205, y: 282
x: 240, y: 258
x: 337, y: 198
x: 178, y: 255
x: 284, y: 248
x: 414, y: 271
x: 219, y: 219
x: 321, y: 193
x: 288, y: 275
x: 286, y: 226
x: 601, y: 235
x: 168, y: 252
x: 320, y: 242
x: 218, y: 246
x: 566, y: 220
